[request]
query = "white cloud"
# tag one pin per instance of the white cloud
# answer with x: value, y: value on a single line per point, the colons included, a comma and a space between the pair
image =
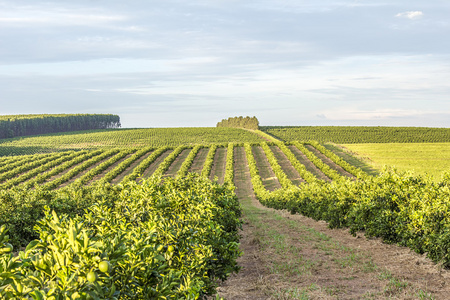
x: 339, y: 114
x: 62, y: 19
x: 412, y: 15
x: 56, y: 15
x: 289, y: 60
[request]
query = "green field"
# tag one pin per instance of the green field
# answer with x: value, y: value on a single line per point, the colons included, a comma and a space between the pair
x: 141, y: 185
x: 359, y: 134
x: 420, y: 158
x: 136, y: 138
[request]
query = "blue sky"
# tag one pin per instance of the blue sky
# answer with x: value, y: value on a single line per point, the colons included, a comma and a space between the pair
x: 173, y: 63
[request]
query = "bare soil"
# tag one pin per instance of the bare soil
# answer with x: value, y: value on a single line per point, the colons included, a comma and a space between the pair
x: 176, y: 164
x: 219, y: 165
x: 65, y: 171
x: 199, y: 161
x: 286, y: 166
x: 130, y: 168
x: 245, y: 284
x: 85, y: 171
x: 111, y: 167
x: 154, y: 165
x: 268, y: 177
x: 352, y: 158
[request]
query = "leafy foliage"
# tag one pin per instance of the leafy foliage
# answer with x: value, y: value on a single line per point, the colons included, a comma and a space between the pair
x: 126, y: 138
x: 359, y: 134
x: 22, y: 125
x: 158, y: 240
x: 240, y: 122
x: 209, y: 161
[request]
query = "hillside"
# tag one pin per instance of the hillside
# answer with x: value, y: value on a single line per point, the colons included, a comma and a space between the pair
x: 296, y: 256
x: 360, y: 134
x: 128, y: 138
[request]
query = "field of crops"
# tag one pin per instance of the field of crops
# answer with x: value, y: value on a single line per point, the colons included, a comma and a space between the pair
x: 360, y: 134
x: 105, y: 197
x: 151, y: 137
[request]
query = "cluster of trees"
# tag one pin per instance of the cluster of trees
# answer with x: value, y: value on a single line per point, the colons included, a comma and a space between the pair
x: 240, y: 122
x: 22, y: 125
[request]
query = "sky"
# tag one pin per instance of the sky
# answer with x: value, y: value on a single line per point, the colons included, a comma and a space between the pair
x: 174, y: 63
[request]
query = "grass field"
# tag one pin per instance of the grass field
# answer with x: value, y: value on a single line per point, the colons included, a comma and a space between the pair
x: 420, y: 158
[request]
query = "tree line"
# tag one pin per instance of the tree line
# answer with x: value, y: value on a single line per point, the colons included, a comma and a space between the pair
x: 22, y: 125
x: 240, y: 122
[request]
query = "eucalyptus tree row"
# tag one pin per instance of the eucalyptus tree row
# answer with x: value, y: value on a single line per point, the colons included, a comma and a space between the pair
x: 23, y: 125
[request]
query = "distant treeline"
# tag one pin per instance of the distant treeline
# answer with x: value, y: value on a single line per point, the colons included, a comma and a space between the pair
x: 240, y: 122
x: 22, y: 125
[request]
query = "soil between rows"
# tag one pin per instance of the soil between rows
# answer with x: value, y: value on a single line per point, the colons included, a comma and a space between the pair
x: 130, y: 168
x: 308, y: 164
x: 199, y: 161
x: 329, y: 162
x: 111, y: 167
x: 219, y: 165
x: 318, y: 262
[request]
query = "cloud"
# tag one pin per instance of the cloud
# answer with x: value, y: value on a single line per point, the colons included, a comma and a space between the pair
x: 383, y: 113
x: 412, y: 15
x: 62, y: 19
x: 48, y: 14
x: 289, y: 62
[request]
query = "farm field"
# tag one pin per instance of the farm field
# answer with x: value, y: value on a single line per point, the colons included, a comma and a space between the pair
x: 420, y: 158
x: 285, y: 256
x: 113, y: 138
x: 359, y: 134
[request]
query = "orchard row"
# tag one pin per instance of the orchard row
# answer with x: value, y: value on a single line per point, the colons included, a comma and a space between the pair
x: 360, y: 134
x: 191, y: 242
x: 77, y: 168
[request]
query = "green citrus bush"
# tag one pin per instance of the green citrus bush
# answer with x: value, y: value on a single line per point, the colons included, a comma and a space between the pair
x: 160, y: 239
x: 21, y: 207
x: 397, y: 207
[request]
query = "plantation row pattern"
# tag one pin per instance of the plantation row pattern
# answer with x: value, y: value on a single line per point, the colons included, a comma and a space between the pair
x: 124, y: 138
x: 81, y: 167
x: 359, y: 134
x: 398, y: 208
x: 73, y: 170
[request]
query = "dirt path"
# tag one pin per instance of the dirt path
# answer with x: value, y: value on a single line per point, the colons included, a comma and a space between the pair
x: 245, y: 284
x: 219, y: 164
x: 154, y: 165
x: 294, y: 257
x: 176, y: 164
x: 199, y: 161
x: 352, y: 158
x: 268, y: 177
